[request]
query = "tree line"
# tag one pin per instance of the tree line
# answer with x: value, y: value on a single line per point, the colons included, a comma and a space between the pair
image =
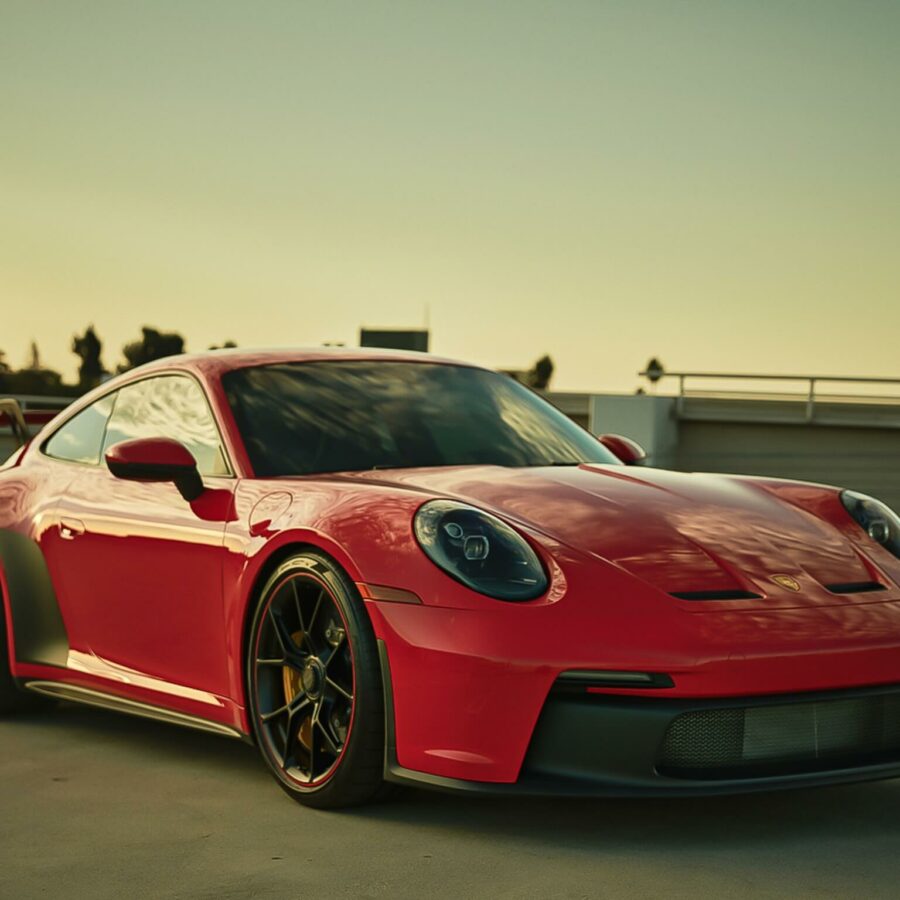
x: 34, y: 378
x: 153, y: 344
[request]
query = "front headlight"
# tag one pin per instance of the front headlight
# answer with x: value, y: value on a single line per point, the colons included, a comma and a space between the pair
x: 479, y: 550
x: 878, y: 520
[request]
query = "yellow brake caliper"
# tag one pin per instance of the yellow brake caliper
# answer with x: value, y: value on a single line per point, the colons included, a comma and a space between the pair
x: 292, y: 687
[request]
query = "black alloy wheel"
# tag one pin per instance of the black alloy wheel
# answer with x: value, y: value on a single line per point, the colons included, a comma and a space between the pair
x: 314, y: 685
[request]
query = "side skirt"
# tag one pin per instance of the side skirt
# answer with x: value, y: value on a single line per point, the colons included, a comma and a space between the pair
x: 101, y: 700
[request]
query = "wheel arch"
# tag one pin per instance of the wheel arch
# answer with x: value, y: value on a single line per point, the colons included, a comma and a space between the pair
x: 32, y: 618
x: 7, y: 641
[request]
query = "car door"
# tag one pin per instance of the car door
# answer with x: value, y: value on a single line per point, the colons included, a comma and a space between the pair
x: 142, y: 567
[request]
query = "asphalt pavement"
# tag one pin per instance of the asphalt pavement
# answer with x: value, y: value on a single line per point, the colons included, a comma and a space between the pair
x: 96, y: 805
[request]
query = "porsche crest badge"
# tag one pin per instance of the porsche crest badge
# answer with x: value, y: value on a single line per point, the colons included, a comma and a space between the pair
x: 786, y: 581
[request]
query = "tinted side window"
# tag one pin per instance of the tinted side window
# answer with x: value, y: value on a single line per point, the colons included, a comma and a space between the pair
x: 81, y: 438
x: 171, y: 406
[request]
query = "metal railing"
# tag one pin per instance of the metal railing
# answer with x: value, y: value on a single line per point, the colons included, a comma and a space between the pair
x: 809, y: 393
x: 22, y: 415
x: 38, y: 401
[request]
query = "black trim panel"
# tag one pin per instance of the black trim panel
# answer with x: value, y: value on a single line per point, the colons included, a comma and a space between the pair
x: 39, y: 633
x: 582, y: 679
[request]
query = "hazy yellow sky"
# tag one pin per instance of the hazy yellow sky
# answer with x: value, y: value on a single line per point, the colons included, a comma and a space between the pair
x: 714, y: 183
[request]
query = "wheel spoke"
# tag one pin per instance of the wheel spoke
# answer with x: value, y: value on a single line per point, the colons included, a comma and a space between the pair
x: 290, y: 736
x: 332, y: 746
x: 281, y: 662
x: 282, y: 633
x: 312, y: 622
x: 327, y: 657
x: 294, y: 724
x: 297, y: 707
x: 298, y: 606
x: 333, y: 684
x: 275, y: 713
x: 312, y: 745
x: 293, y: 655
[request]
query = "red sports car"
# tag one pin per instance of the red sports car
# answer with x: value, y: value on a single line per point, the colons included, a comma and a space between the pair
x: 388, y: 567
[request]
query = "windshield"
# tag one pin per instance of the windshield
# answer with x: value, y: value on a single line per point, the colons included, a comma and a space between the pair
x: 339, y: 416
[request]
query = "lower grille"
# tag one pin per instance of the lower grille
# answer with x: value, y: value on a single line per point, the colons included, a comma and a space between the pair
x: 784, y: 738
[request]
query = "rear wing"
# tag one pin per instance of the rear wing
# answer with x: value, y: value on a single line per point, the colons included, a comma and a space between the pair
x: 21, y: 423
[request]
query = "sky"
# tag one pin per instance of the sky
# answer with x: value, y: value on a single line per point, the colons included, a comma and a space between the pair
x: 713, y: 183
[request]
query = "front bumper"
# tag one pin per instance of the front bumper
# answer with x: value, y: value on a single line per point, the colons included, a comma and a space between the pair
x: 474, y: 688
x: 473, y: 695
x: 594, y: 745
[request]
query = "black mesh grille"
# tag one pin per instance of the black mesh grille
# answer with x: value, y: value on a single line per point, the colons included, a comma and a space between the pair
x: 783, y: 738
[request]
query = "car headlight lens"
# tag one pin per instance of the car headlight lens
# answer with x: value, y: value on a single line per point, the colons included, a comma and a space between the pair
x: 877, y: 519
x: 479, y: 550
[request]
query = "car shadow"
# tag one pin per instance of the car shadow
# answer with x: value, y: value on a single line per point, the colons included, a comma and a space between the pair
x: 136, y: 735
x: 675, y: 823
x: 851, y: 811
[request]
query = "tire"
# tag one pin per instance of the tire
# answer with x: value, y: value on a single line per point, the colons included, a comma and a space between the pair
x: 314, y: 685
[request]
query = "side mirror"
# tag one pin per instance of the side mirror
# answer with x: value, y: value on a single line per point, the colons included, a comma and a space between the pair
x: 630, y: 452
x: 156, y: 459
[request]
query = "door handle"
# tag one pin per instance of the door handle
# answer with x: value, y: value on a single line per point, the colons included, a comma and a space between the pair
x: 69, y: 529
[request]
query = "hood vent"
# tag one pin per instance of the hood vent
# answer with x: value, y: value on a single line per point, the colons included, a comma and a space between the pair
x: 715, y: 595
x: 855, y: 587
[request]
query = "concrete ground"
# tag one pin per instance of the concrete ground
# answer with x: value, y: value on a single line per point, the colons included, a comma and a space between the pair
x: 103, y: 806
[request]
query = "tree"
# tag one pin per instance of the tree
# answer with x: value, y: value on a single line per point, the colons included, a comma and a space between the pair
x: 152, y: 345
x: 228, y: 345
x: 40, y: 382
x: 32, y: 379
x: 539, y: 375
x: 89, y: 347
x: 34, y: 362
x: 4, y: 366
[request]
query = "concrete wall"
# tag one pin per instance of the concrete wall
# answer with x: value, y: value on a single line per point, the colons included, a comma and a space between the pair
x: 858, y: 456
x: 865, y: 459
x: 651, y: 421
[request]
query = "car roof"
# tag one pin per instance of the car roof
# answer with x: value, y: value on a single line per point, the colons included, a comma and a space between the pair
x: 215, y: 362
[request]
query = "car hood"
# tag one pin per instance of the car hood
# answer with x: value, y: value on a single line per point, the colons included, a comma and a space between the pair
x: 681, y: 532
